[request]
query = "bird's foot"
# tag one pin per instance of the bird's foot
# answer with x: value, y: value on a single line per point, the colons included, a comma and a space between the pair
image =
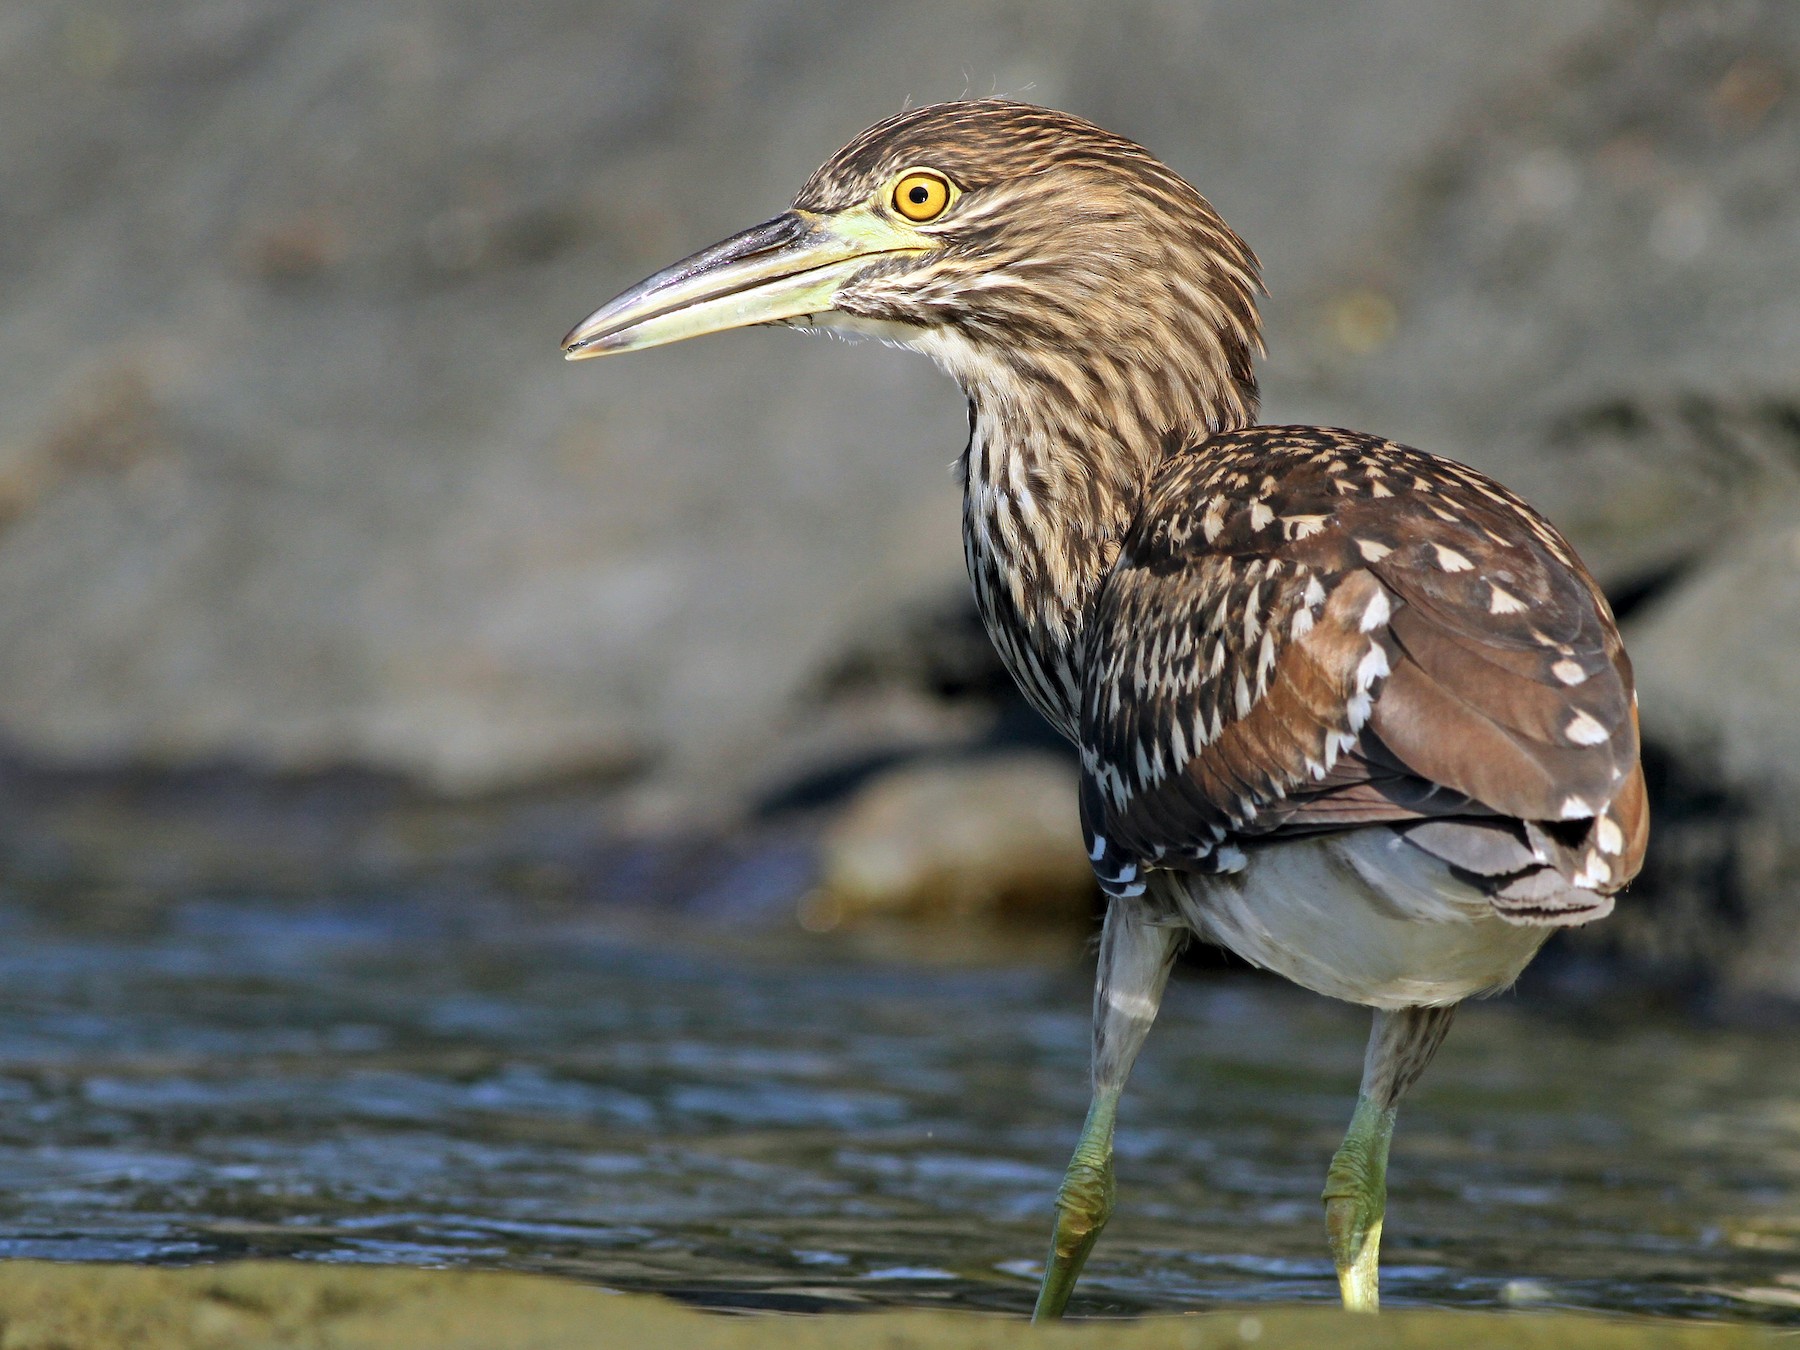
x: 1355, y: 1202
x: 1082, y: 1207
x: 1083, y: 1203
x: 1356, y: 1248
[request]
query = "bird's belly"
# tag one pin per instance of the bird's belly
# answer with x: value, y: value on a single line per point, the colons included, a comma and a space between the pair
x: 1362, y: 916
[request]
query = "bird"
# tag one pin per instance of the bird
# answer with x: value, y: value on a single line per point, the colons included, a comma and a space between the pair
x: 1351, y: 710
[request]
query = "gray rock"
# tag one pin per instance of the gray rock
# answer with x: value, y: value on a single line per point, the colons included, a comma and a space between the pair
x: 1720, y: 660
x: 293, y: 474
x: 1596, y: 287
x: 979, y: 840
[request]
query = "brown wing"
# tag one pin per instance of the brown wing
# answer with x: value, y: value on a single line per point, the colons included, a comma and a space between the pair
x: 1308, y: 630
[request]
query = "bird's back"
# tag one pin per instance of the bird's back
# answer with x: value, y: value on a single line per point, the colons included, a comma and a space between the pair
x: 1310, y: 631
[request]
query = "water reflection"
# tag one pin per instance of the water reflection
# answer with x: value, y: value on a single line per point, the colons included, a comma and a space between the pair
x: 481, y: 1084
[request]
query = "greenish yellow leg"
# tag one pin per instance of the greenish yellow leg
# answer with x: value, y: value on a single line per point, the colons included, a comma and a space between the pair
x: 1083, y: 1203
x: 1401, y: 1043
x: 1135, y: 957
x: 1355, y: 1199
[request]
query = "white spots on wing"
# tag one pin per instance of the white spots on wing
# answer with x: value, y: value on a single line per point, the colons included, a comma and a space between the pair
x: 1596, y: 873
x: 1303, y: 622
x: 1123, y: 882
x: 1217, y: 661
x: 1230, y: 858
x: 1574, y: 808
x: 1377, y: 613
x: 1302, y: 527
x: 1610, y: 836
x: 1244, y: 701
x: 1503, y: 602
x: 1373, y: 667
x: 1265, y: 662
x: 1112, y: 783
x: 1584, y: 730
x: 1486, y: 489
x: 1214, y: 519
x: 1260, y: 515
x: 1569, y: 672
x: 1452, y: 561
x: 1099, y: 849
x: 1178, y: 746
x: 1315, y: 592
x: 1378, y: 488
x: 1372, y: 550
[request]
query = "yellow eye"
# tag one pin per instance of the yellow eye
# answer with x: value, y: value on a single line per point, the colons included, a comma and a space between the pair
x: 921, y: 195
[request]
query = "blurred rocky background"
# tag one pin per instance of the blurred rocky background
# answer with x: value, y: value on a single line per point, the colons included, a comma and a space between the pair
x: 316, y: 561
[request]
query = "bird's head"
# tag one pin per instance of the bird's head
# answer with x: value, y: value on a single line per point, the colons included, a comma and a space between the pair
x: 1019, y: 247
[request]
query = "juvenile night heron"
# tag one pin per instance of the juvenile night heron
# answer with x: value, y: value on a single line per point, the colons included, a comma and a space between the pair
x: 1351, y: 710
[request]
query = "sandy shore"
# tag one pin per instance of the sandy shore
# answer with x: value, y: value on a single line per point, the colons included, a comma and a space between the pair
x: 248, y: 1306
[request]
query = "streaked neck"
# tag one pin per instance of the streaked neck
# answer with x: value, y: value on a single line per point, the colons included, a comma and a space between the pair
x: 1060, y: 455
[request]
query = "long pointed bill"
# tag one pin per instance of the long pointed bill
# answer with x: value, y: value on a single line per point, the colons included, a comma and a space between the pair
x: 786, y: 269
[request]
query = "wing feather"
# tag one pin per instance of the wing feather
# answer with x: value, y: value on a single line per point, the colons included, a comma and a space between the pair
x: 1426, y: 648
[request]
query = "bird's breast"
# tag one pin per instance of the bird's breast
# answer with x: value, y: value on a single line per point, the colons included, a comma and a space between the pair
x: 1036, y: 632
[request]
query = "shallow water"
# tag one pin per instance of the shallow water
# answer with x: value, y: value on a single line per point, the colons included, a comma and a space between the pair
x: 791, y: 1127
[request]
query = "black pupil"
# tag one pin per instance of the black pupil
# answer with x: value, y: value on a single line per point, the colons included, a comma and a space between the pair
x: 918, y: 195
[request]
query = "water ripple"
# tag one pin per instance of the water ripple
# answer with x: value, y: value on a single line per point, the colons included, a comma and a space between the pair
x: 360, y: 1080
